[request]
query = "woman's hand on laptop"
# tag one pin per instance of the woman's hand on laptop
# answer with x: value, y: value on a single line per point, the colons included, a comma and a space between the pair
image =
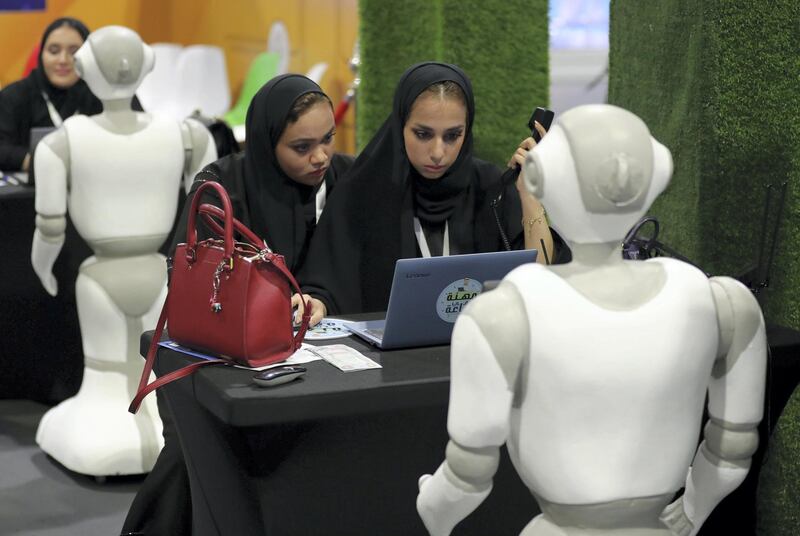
x: 318, y: 309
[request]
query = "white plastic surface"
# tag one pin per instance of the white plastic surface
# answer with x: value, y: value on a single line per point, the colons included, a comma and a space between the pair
x: 157, y: 91
x: 202, y: 82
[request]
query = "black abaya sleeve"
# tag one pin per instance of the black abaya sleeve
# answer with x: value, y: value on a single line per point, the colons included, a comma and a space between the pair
x: 15, y: 126
x: 332, y: 272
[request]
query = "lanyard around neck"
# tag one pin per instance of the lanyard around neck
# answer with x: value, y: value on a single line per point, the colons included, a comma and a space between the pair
x: 320, y: 200
x: 423, y: 243
x: 55, y: 117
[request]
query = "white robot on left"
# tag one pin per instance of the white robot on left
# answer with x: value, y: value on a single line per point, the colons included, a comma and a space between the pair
x: 119, y: 174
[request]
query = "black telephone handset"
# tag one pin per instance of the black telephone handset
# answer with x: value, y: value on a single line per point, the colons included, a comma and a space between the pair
x: 544, y: 117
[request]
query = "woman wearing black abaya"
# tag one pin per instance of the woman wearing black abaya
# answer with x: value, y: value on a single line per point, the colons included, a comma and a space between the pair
x: 278, y: 188
x: 48, y: 95
x: 416, y: 190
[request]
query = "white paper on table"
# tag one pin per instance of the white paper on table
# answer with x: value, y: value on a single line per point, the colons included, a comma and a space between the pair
x: 345, y: 358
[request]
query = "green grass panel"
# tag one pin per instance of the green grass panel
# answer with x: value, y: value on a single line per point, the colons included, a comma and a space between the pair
x: 778, y: 503
x: 501, y: 44
x: 655, y: 71
x: 393, y: 36
x: 717, y: 83
x: 503, y: 47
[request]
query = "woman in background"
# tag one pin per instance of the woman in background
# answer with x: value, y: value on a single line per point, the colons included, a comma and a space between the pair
x: 48, y: 95
x: 51, y: 93
x: 417, y: 191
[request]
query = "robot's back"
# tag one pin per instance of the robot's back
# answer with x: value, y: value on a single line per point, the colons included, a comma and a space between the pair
x: 124, y: 187
x: 612, y: 399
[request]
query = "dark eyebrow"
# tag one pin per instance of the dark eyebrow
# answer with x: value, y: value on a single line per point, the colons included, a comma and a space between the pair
x: 312, y: 140
x: 429, y: 129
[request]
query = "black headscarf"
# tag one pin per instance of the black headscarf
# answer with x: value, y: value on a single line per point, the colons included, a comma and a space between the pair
x: 77, y: 98
x: 274, y: 200
x: 368, y: 222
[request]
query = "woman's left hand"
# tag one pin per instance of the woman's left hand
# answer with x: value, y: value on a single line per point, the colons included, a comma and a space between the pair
x: 318, y: 309
x: 518, y: 158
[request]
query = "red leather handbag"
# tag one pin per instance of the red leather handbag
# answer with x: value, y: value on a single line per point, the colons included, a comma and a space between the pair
x: 231, y: 299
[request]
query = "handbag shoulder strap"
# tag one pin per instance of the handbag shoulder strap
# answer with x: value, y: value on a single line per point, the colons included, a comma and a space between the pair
x: 301, y: 333
x: 145, y: 388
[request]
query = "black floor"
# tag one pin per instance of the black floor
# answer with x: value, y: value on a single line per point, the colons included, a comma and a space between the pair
x: 39, y: 497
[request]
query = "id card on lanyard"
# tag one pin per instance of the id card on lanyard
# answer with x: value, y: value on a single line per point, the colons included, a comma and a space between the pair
x: 55, y: 117
x: 422, y: 242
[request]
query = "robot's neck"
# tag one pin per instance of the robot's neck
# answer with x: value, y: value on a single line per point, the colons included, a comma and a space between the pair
x: 596, y: 255
x: 119, y: 117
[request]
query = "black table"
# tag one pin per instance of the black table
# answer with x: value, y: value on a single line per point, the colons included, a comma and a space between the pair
x: 339, y: 452
x: 343, y: 451
x: 32, y: 366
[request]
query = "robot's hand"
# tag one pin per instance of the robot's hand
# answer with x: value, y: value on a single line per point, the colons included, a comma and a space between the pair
x: 43, y: 255
x: 675, y: 518
x: 441, y: 504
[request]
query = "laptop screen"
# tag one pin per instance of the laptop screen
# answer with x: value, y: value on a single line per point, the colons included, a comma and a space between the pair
x: 37, y: 133
x: 428, y: 294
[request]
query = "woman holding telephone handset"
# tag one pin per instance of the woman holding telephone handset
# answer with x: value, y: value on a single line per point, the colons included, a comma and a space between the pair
x: 416, y: 190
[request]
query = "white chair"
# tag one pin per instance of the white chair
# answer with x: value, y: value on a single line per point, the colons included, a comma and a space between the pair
x: 278, y: 42
x: 157, y: 91
x: 317, y: 71
x: 202, y: 82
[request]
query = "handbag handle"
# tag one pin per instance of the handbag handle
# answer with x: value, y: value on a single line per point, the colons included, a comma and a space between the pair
x: 227, y: 215
x: 209, y: 212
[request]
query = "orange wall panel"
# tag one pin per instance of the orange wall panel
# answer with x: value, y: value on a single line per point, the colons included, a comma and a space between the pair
x: 319, y: 30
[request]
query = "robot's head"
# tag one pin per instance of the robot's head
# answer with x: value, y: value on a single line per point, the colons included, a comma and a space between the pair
x: 597, y: 172
x: 113, y: 61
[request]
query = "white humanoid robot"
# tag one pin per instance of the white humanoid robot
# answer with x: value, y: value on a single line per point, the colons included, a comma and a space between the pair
x: 594, y: 373
x: 119, y: 174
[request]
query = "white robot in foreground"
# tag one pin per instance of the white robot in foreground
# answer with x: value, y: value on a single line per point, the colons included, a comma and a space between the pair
x: 603, y: 432
x: 119, y: 174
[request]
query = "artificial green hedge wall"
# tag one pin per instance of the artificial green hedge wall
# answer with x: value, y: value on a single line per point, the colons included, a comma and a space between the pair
x: 717, y: 82
x: 501, y: 44
x: 779, y: 480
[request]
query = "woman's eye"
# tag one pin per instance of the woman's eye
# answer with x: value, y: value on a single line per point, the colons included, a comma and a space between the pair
x: 422, y: 134
x: 452, y: 137
x: 54, y: 50
x: 300, y: 149
x: 329, y: 138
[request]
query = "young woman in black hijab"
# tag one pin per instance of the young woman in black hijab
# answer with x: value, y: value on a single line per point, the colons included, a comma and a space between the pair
x: 49, y: 94
x: 279, y: 184
x: 278, y: 188
x: 416, y: 190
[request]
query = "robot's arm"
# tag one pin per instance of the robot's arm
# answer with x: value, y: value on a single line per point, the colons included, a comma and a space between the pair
x: 735, y: 404
x: 199, y: 150
x: 51, y: 165
x: 490, y: 340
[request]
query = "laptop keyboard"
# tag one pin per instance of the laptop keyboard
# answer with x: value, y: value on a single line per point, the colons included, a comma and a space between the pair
x: 375, y: 332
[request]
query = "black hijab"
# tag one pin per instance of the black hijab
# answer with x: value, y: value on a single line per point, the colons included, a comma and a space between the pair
x: 67, y: 101
x: 275, y: 201
x: 368, y: 222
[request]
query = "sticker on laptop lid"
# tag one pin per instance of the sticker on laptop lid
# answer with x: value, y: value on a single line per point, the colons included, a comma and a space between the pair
x: 455, y: 297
